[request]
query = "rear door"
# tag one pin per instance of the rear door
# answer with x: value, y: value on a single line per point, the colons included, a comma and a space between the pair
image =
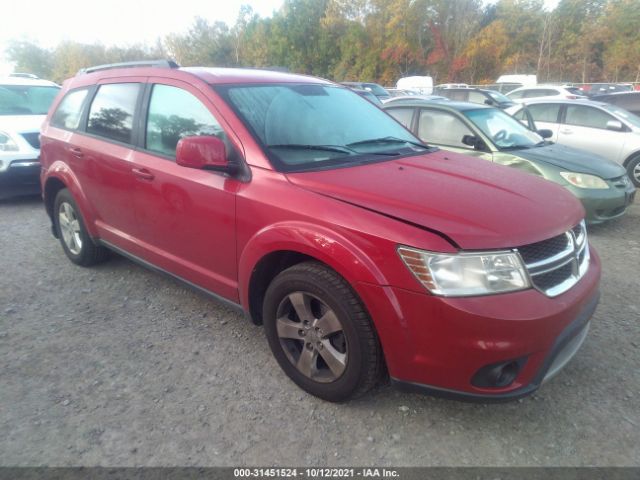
x: 102, y: 156
x: 585, y: 127
x: 185, y: 216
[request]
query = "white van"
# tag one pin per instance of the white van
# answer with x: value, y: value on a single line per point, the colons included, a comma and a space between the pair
x: 420, y: 84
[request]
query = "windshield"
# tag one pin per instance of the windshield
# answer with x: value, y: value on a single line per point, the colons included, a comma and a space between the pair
x: 308, y: 126
x: 26, y: 99
x: 498, y: 97
x: 632, y: 118
x: 504, y: 130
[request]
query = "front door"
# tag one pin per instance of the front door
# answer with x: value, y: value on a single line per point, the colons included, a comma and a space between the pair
x: 186, y: 217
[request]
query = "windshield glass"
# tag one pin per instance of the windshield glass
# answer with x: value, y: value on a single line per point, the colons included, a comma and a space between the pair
x: 504, y: 130
x: 308, y: 126
x: 26, y: 99
x: 498, y: 97
x: 632, y: 118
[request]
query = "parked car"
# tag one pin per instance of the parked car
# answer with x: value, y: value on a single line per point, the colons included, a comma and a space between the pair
x: 410, y: 98
x: 544, y: 92
x: 477, y: 95
x: 443, y: 86
x: 368, y: 95
x: 293, y: 199
x: 606, y: 88
x: 601, y: 128
x: 23, y: 105
x: 507, y: 83
x: 629, y: 101
x: 399, y: 92
x: 374, y: 88
x: 488, y: 133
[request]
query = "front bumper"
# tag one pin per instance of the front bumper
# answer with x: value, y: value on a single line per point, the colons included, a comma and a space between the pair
x: 437, y: 345
x: 22, y: 177
x: 603, y: 205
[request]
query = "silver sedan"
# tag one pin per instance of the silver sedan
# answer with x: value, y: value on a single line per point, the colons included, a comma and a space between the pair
x: 597, y: 127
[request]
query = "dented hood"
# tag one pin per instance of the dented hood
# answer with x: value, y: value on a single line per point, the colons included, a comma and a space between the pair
x: 476, y: 204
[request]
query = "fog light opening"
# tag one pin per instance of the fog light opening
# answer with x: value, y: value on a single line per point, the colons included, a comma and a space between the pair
x: 498, y: 375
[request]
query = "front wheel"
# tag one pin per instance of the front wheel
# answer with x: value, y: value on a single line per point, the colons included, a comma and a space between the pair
x: 633, y: 169
x: 320, y: 333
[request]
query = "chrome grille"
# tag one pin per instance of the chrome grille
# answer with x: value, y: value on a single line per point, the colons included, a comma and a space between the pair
x: 555, y: 265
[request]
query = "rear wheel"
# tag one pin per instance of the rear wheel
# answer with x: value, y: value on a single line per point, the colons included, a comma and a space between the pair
x: 320, y: 334
x: 75, y: 240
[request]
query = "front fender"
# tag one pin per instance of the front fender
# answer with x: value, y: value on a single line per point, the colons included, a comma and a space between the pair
x: 321, y: 243
x: 60, y: 171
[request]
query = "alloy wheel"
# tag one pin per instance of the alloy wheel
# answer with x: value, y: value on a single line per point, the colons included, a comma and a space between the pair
x: 312, y: 337
x: 70, y: 228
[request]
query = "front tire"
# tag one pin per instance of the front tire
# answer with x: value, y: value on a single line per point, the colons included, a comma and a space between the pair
x: 73, y: 235
x: 320, y: 333
x: 633, y: 170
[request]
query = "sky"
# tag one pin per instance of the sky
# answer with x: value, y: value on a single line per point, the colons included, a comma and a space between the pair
x: 112, y: 22
x: 116, y: 22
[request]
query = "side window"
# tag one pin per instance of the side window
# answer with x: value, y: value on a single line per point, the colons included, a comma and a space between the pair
x: 442, y: 128
x: 545, y: 112
x: 582, y: 116
x: 173, y: 114
x: 112, y: 110
x: 550, y: 93
x: 516, y: 95
x: 69, y: 111
x: 535, y: 92
x: 458, y: 95
x: 403, y: 115
x: 477, y: 97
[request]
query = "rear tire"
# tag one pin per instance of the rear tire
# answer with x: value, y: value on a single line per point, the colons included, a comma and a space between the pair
x: 320, y: 333
x: 70, y: 227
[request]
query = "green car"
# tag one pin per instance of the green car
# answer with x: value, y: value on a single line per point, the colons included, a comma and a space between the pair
x: 601, y: 185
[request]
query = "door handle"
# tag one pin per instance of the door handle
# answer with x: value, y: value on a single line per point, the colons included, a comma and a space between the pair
x: 566, y: 131
x: 76, y: 152
x: 143, y: 173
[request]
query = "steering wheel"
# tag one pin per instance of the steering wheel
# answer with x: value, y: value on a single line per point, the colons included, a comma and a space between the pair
x: 500, y: 135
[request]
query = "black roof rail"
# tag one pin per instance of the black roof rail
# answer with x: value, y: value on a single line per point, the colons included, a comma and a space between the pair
x: 143, y: 63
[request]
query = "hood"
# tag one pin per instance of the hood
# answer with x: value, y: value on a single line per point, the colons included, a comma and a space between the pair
x: 571, y: 159
x: 475, y: 203
x: 21, y: 123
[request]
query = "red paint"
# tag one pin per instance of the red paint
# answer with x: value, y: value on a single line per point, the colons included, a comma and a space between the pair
x: 212, y: 230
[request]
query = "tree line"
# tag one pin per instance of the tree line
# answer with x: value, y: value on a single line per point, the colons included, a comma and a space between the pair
x: 382, y: 40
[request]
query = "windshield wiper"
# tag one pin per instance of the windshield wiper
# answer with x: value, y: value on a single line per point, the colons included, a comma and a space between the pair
x: 387, y: 140
x: 325, y: 148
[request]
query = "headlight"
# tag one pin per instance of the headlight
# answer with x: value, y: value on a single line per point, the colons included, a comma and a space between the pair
x: 466, y: 274
x: 583, y: 180
x: 7, y: 144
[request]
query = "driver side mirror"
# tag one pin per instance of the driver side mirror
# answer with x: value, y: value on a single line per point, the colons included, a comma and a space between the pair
x: 488, y: 101
x: 615, y: 125
x: 473, y: 141
x: 545, y: 133
x: 204, y: 153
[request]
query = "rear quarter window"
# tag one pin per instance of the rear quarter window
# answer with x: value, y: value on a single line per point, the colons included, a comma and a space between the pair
x: 69, y: 111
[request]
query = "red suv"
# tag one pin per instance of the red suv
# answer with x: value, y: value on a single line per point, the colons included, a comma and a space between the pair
x: 361, y: 250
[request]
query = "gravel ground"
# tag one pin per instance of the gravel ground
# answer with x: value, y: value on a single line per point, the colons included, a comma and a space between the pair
x: 117, y: 365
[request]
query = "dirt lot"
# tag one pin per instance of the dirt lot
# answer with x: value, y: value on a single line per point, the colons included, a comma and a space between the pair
x: 117, y: 365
